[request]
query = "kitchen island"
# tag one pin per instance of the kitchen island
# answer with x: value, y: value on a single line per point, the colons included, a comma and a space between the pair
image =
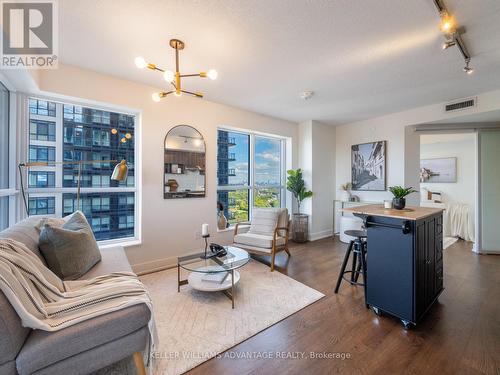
x: 404, y: 259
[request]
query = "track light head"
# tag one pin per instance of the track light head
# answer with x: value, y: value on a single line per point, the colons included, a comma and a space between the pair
x: 449, y: 44
x: 467, y: 69
x: 448, y: 23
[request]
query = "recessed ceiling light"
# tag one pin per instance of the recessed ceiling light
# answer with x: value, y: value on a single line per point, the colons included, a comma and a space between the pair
x: 306, y: 95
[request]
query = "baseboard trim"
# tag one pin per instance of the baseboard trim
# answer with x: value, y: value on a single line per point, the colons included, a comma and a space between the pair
x: 320, y: 235
x: 154, y: 265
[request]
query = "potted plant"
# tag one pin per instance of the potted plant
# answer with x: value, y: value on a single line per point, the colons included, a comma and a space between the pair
x: 346, y: 191
x: 399, y: 192
x: 300, y: 222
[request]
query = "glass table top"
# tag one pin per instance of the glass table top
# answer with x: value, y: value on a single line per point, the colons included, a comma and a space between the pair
x: 234, y: 259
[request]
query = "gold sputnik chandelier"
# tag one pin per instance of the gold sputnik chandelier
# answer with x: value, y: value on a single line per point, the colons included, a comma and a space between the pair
x: 174, y: 78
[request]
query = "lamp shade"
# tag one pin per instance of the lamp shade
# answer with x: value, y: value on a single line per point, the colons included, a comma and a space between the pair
x: 120, y: 172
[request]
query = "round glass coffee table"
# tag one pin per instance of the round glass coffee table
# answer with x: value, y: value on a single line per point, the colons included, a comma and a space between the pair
x: 216, y: 274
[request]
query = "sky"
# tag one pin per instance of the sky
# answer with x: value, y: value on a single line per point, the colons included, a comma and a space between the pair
x: 267, y: 160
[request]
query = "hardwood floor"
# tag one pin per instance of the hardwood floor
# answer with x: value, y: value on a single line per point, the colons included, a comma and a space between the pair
x: 459, y: 335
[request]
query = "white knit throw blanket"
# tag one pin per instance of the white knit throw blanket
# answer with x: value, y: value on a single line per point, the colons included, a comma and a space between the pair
x: 43, y: 301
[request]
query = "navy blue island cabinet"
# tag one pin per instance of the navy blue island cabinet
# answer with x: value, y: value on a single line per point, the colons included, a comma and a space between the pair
x: 404, y: 259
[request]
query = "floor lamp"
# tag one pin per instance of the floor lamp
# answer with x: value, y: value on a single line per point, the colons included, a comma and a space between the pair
x: 120, y: 173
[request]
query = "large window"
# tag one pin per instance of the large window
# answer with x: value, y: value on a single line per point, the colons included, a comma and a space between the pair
x: 250, y: 173
x: 5, y: 192
x: 79, y: 133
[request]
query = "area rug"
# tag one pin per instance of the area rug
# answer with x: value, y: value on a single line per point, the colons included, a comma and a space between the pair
x: 195, y: 326
x: 448, y: 241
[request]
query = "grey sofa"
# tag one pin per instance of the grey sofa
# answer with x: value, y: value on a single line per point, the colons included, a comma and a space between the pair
x: 83, y: 348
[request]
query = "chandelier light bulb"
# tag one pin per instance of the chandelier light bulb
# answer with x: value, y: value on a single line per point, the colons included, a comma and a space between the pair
x: 168, y: 75
x: 140, y: 62
x: 156, y: 97
x: 212, y: 74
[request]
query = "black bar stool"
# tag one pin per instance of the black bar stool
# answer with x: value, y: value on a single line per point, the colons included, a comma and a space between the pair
x: 358, y: 248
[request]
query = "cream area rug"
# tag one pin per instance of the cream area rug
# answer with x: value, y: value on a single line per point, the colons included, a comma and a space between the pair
x: 195, y: 326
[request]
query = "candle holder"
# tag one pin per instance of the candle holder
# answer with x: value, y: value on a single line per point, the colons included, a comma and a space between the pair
x: 206, y: 246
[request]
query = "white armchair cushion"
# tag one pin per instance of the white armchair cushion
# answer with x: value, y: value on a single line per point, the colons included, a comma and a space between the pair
x: 264, y: 221
x: 257, y: 240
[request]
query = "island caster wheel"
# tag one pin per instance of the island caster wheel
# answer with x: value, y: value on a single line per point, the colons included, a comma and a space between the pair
x: 377, y: 311
x: 406, y: 324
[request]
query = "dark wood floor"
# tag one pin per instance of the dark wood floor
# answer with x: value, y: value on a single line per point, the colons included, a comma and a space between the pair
x: 460, y: 334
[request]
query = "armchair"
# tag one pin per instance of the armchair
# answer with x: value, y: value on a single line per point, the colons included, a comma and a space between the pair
x: 266, y: 234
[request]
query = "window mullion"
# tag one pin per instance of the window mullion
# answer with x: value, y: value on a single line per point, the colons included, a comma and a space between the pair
x: 251, y: 164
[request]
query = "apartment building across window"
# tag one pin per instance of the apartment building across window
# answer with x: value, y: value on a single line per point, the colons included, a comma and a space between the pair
x: 79, y: 133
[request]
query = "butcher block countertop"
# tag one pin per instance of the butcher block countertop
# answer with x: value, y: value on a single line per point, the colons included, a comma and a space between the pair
x: 408, y: 213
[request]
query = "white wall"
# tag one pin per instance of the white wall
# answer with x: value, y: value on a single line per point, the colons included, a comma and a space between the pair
x: 463, y: 147
x: 317, y: 159
x: 169, y: 227
x: 403, y: 151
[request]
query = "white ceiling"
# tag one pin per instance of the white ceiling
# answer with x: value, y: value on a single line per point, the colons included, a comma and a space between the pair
x: 362, y: 58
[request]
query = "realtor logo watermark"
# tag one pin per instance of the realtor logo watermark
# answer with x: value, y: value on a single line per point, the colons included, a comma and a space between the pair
x: 30, y: 34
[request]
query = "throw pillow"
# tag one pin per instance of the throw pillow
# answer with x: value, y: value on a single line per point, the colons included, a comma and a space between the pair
x: 70, y: 250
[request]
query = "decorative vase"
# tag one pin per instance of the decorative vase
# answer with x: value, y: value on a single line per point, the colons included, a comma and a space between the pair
x: 173, y: 185
x: 399, y: 203
x: 346, y: 196
x: 300, y: 226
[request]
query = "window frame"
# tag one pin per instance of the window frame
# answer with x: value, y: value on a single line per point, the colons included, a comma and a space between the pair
x: 11, y: 191
x: 136, y: 239
x: 252, y: 187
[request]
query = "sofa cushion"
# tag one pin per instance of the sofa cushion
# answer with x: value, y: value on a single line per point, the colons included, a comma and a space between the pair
x: 257, y: 240
x: 26, y: 232
x: 71, y: 249
x: 264, y: 221
x: 39, y: 350
x: 113, y: 259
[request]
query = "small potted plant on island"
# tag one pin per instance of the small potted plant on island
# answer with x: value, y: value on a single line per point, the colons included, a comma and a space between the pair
x: 399, y: 192
x: 346, y: 192
x: 300, y: 222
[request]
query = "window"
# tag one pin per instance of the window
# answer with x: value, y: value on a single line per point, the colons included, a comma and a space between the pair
x: 244, y: 181
x: 41, y: 179
x: 5, y: 193
x: 42, y: 130
x: 42, y: 153
x: 42, y: 108
x: 87, y: 134
x: 42, y: 206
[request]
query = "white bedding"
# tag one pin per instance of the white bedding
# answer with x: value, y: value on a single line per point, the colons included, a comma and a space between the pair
x: 458, y: 219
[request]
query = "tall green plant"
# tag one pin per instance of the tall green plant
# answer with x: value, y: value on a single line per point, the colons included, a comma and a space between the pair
x: 297, y: 186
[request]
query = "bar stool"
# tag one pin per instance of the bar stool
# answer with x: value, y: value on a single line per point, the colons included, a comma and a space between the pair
x: 357, y: 247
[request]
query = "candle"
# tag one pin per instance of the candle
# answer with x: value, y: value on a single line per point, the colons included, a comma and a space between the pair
x: 204, y: 229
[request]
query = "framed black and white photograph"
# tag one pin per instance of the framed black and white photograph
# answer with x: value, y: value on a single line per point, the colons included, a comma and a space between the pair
x: 438, y: 170
x: 368, y: 166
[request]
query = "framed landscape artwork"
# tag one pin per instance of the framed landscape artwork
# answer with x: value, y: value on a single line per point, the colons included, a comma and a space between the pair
x: 368, y: 166
x: 438, y: 170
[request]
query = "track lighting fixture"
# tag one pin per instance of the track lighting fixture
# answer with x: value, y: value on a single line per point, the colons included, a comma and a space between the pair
x: 174, y: 78
x: 452, y: 32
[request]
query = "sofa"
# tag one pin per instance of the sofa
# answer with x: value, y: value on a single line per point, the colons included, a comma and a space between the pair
x: 84, y: 348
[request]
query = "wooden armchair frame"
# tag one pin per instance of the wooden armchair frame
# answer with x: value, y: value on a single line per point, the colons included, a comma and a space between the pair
x: 276, y: 248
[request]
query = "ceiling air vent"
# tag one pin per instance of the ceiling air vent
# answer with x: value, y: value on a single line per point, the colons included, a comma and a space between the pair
x: 460, y: 105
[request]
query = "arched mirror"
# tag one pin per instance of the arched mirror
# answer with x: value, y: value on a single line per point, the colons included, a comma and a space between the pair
x: 184, y: 163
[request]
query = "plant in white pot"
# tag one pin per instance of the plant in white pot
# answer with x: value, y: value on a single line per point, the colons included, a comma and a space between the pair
x: 346, y: 191
x: 300, y: 222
